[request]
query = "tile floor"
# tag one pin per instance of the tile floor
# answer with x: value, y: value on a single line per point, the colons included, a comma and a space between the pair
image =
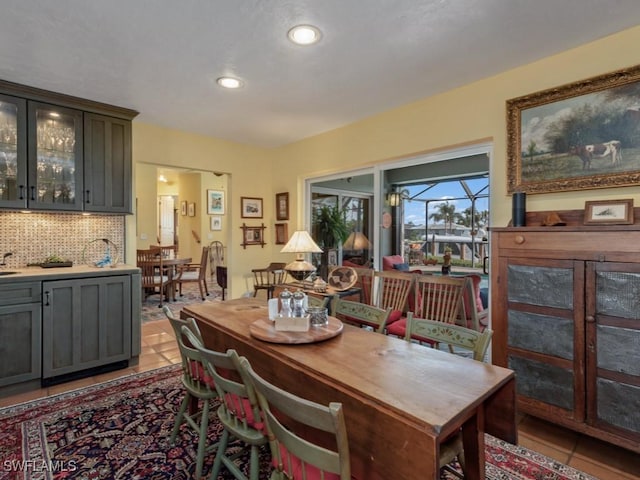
x: 592, y: 456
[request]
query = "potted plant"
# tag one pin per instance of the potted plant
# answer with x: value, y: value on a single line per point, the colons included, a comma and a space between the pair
x: 331, y: 230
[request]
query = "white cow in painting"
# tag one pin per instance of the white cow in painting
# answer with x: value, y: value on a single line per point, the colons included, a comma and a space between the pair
x: 599, y: 150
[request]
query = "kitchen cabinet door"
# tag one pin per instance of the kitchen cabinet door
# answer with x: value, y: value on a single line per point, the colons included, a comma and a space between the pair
x: 107, y: 164
x: 55, y: 157
x: 86, y: 323
x: 20, y: 336
x: 13, y: 152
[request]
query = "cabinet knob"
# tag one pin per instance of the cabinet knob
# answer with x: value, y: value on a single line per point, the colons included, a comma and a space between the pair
x: 590, y: 318
x: 519, y: 239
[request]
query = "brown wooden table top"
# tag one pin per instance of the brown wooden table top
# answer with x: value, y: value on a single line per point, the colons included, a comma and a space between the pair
x: 429, y: 388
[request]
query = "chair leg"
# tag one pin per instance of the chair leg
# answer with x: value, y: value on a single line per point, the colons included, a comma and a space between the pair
x: 222, y: 448
x: 254, y: 465
x: 179, y: 418
x: 202, y: 438
x: 201, y: 290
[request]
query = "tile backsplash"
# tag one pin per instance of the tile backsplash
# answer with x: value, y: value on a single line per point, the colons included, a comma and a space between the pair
x: 32, y: 237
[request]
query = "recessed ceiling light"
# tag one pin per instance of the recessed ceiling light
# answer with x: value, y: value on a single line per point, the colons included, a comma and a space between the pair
x: 304, y: 34
x: 229, y: 82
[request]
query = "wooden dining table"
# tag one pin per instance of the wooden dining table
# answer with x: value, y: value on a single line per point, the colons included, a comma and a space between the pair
x: 401, y: 400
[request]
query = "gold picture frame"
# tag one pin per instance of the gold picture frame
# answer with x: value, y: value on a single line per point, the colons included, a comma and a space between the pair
x: 577, y: 136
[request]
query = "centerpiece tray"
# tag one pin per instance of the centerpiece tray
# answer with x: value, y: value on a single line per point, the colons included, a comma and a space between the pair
x: 265, y: 330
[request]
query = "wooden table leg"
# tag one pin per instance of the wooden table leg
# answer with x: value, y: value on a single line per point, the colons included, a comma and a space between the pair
x: 473, y: 444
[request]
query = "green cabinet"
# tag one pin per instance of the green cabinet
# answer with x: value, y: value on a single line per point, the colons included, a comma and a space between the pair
x: 63, y: 153
x: 107, y: 164
x: 86, y: 323
x: 20, y: 331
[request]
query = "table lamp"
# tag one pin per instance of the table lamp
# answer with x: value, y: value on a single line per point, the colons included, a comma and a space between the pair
x: 300, y: 243
x: 356, y: 241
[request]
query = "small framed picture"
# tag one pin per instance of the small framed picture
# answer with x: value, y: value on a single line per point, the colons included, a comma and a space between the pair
x: 251, y: 207
x: 215, y: 202
x: 609, y: 212
x: 216, y: 222
x: 253, y: 236
x: 281, y: 234
x: 192, y: 209
x: 183, y: 208
x: 282, y: 206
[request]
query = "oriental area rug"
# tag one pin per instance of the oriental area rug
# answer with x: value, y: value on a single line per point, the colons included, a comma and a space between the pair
x: 120, y: 430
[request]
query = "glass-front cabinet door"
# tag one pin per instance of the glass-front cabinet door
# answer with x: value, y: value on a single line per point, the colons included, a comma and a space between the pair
x: 55, y: 157
x: 13, y: 152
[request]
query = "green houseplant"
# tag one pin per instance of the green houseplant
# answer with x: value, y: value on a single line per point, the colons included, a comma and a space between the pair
x: 331, y: 230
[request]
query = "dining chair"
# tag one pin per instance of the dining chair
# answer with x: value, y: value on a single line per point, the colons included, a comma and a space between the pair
x: 455, y: 336
x: 153, y: 278
x: 391, y: 290
x: 221, y: 278
x: 295, y: 457
x: 239, y: 413
x: 198, y: 383
x: 267, y: 278
x: 361, y: 315
x: 320, y: 302
x: 167, y: 251
x: 474, y: 316
x: 365, y: 284
x: 194, y: 273
x: 435, y: 297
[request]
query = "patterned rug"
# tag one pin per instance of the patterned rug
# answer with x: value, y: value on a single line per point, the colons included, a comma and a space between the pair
x: 120, y: 430
x: 191, y: 294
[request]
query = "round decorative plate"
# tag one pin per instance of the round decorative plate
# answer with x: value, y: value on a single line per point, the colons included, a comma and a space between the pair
x: 342, y: 278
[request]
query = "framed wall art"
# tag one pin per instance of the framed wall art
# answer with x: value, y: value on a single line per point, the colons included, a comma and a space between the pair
x: 252, y: 235
x: 183, y: 207
x: 282, y: 206
x: 609, y: 212
x: 192, y: 209
x: 216, y: 222
x: 583, y: 135
x: 215, y: 202
x: 282, y: 236
x: 251, y: 207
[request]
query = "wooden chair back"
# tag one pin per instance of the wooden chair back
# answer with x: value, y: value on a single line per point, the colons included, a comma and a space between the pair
x: 166, y: 251
x: 438, y: 297
x: 322, y: 302
x: 361, y: 314
x: 289, y: 450
x: 453, y: 335
x: 152, y: 276
x: 392, y: 289
x: 365, y: 284
x: 239, y: 411
x: 268, y: 278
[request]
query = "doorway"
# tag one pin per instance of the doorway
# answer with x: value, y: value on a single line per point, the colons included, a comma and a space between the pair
x: 168, y: 220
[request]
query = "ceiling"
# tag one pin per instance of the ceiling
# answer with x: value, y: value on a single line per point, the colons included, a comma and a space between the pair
x: 162, y: 57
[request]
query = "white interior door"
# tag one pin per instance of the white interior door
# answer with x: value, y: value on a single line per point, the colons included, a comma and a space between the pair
x: 166, y: 224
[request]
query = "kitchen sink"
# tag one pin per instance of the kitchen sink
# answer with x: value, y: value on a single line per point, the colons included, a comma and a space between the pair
x: 6, y: 273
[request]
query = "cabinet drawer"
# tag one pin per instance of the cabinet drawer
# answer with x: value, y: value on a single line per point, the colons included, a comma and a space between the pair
x: 565, y: 244
x: 22, y: 292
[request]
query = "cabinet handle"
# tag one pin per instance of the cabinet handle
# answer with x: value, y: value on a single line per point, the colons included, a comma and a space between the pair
x: 88, y: 197
x: 590, y: 319
x: 46, y: 296
x: 33, y: 193
x: 21, y: 194
x: 519, y: 239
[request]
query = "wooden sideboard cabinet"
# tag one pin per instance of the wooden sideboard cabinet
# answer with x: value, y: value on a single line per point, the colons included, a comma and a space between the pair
x: 566, y: 317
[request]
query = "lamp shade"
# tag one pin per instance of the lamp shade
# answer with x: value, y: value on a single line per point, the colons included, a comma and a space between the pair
x: 357, y: 241
x: 300, y: 243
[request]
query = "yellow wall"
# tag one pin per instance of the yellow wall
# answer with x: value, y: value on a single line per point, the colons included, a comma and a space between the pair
x: 469, y: 114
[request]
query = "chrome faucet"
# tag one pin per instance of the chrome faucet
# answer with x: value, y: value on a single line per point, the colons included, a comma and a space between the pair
x: 4, y: 259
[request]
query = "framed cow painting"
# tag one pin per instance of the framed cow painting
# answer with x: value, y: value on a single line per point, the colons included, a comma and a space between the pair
x: 583, y: 135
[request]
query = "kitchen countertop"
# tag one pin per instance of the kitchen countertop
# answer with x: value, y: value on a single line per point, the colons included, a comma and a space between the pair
x: 36, y: 273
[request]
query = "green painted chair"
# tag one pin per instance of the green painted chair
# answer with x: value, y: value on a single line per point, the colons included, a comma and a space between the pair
x: 361, y: 315
x: 455, y: 336
x: 293, y: 457
x: 198, y: 384
x: 239, y: 412
x: 322, y: 302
